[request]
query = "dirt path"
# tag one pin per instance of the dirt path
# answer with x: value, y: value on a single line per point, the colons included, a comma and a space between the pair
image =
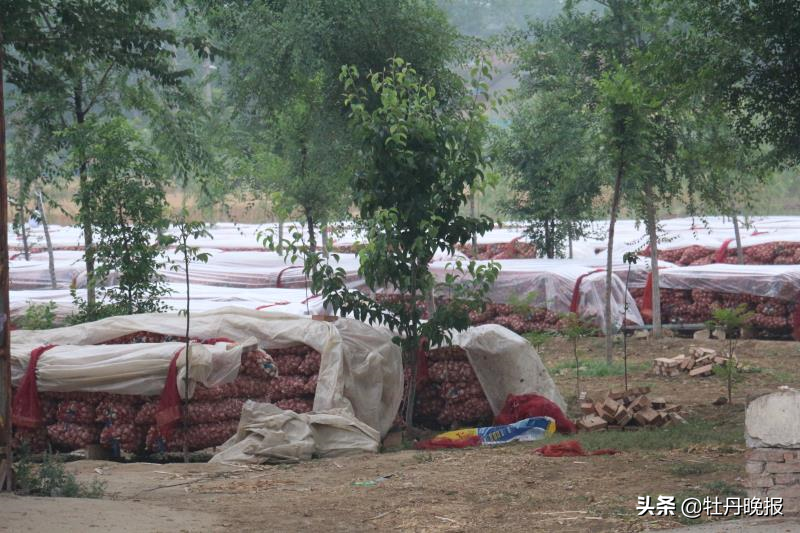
x: 74, y: 515
x: 507, y: 488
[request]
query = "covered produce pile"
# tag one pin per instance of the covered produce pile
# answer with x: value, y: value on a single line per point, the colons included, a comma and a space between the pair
x: 757, y: 250
x: 449, y: 394
x: 690, y: 295
x: 128, y: 423
x: 516, y: 249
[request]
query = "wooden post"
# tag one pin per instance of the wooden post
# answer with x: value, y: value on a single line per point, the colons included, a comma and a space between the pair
x: 6, y: 458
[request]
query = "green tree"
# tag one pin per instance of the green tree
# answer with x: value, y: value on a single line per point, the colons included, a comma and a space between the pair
x: 284, y: 59
x: 76, y: 58
x: 554, y: 173
x: 746, y: 54
x: 419, y: 161
x: 128, y: 207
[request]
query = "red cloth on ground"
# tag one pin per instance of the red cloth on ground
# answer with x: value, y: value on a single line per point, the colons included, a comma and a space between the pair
x: 169, y: 404
x: 570, y: 448
x: 521, y: 406
x: 439, y: 443
x: 26, y: 409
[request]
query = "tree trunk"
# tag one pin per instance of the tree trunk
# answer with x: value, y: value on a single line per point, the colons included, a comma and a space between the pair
x: 474, y: 233
x: 609, y: 320
x: 652, y: 230
x: 51, y: 263
x: 737, y: 234
x: 548, y: 237
x: 23, y: 230
x: 6, y: 459
x: 324, y: 234
x: 312, y: 239
x: 86, y: 213
x: 280, y: 236
x: 186, y: 355
x: 569, y: 240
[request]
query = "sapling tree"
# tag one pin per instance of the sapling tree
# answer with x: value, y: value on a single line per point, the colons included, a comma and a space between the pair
x: 629, y: 258
x: 421, y: 153
x: 124, y: 191
x: 731, y: 320
x: 188, y: 230
x: 574, y: 329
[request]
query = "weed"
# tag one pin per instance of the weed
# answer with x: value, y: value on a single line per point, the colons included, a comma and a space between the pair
x: 424, y: 457
x: 38, y: 316
x: 675, y: 437
x: 50, y: 479
x: 693, y: 469
x: 596, y: 368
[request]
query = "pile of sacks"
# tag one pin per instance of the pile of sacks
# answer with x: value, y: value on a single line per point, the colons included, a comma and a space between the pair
x: 769, y: 253
x: 127, y: 423
x: 771, y: 316
x: 450, y: 396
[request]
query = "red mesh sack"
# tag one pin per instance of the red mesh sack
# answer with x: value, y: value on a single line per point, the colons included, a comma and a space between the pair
x: 522, y: 406
x: 26, y: 410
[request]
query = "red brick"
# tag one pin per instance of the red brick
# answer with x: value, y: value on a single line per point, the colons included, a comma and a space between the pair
x: 782, y: 468
x: 786, y: 479
x: 754, y: 467
x: 772, y: 455
x: 784, y: 492
x: 762, y: 481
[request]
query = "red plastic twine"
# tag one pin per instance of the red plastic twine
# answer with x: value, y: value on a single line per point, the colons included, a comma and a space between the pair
x: 719, y: 257
x: 169, y: 404
x: 262, y: 307
x: 280, y: 274
x: 26, y: 409
x: 576, y: 290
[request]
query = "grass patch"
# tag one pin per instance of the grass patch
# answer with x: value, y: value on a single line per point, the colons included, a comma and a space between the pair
x: 693, y: 469
x: 720, y: 489
x: 681, y: 436
x: 596, y: 368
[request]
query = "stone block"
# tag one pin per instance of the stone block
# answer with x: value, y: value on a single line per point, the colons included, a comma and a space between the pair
x: 754, y: 467
x: 773, y: 420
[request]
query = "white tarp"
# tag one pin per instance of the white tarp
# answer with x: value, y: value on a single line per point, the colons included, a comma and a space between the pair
x: 551, y: 282
x: 506, y: 363
x: 361, y: 369
x: 267, y: 433
x: 127, y: 368
x: 774, y: 281
x: 204, y: 298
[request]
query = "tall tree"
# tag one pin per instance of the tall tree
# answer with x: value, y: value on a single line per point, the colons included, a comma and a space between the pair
x: 283, y: 60
x: 77, y: 57
x: 554, y: 172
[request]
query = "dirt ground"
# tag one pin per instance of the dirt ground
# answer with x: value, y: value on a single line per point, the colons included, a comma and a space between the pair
x: 506, y: 488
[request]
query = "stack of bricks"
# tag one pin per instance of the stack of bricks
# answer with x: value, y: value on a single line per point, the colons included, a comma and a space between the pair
x: 772, y: 432
x: 699, y: 363
x: 630, y: 410
x: 774, y: 473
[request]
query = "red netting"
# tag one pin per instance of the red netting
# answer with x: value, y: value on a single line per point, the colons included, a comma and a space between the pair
x: 522, y: 406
